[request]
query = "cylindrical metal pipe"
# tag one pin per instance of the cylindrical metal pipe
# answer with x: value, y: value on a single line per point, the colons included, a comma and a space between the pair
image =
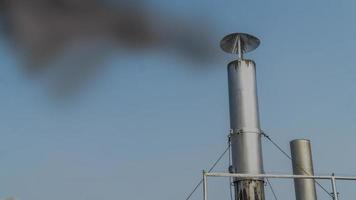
x: 205, y: 186
x: 303, y: 165
x: 333, y: 185
x: 245, y: 126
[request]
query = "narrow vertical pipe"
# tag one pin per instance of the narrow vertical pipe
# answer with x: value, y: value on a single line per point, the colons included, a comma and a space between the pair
x: 333, y: 184
x: 239, y: 47
x: 303, y: 165
x: 205, y: 186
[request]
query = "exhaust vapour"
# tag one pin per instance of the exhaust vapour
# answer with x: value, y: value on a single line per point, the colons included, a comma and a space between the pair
x: 44, y: 31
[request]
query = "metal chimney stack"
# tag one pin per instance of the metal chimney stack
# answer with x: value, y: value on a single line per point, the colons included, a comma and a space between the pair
x: 245, y: 134
x: 303, y: 165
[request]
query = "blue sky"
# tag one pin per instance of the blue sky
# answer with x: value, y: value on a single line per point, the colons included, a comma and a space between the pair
x: 147, y: 125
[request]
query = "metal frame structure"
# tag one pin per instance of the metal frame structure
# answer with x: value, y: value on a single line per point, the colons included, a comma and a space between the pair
x: 245, y: 138
x: 332, y: 178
